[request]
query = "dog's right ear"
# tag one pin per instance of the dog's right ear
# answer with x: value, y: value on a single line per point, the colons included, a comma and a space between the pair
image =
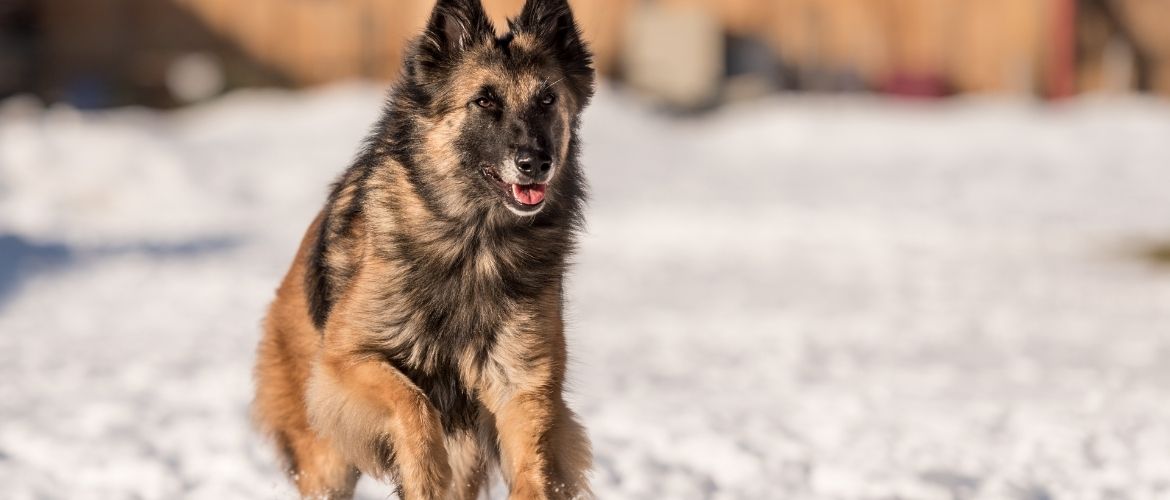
x: 455, y: 26
x: 552, y: 23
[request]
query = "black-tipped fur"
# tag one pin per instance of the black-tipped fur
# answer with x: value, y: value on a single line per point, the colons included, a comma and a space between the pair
x: 426, y: 301
x: 454, y: 26
x: 536, y: 250
x: 552, y: 21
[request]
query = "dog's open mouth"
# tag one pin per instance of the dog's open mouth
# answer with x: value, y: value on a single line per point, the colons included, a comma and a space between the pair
x: 530, y: 195
x: 527, y: 197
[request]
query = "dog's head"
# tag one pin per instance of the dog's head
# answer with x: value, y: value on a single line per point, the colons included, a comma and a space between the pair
x: 497, y: 114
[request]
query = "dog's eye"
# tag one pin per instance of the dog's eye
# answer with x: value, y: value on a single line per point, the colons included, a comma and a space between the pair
x: 485, y: 103
x: 549, y: 100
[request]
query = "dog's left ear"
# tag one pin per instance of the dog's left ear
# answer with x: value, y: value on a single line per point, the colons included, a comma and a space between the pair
x: 551, y: 23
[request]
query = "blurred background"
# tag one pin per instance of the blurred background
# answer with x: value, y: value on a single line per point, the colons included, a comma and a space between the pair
x: 836, y: 250
x: 101, y: 53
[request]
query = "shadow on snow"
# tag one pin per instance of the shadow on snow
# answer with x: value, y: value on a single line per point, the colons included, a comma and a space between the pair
x: 21, y: 259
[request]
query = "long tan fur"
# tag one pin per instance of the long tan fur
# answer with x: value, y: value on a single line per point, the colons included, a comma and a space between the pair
x: 418, y: 336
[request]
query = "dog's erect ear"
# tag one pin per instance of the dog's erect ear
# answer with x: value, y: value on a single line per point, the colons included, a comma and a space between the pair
x: 458, y: 24
x: 454, y: 26
x: 551, y: 23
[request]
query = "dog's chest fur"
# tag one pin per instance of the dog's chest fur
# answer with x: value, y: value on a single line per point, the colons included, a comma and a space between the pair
x: 450, y: 305
x: 454, y: 320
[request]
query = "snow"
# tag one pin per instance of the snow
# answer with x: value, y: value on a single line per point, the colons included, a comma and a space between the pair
x: 801, y: 298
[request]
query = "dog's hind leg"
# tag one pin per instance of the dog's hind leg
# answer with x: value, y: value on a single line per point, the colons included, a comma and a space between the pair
x: 318, y: 470
x: 316, y: 467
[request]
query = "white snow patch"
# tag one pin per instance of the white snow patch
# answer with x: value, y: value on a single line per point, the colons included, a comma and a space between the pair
x: 840, y: 298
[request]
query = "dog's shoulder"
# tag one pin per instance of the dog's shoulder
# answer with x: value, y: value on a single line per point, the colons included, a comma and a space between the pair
x: 333, y: 251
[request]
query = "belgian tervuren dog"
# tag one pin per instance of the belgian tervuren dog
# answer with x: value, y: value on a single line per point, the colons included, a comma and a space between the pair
x: 418, y: 336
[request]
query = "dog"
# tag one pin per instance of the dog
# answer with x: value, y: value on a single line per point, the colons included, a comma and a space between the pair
x: 418, y: 337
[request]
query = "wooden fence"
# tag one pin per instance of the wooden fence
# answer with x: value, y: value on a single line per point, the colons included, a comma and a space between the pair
x: 1005, y: 46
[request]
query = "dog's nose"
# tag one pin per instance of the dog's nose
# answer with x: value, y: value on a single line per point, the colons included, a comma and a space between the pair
x: 533, y: 163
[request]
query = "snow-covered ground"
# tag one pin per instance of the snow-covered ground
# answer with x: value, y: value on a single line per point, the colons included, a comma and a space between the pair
x: 794, y: 299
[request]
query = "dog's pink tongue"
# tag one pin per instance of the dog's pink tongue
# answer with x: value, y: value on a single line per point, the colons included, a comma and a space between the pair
x: 528, y: 195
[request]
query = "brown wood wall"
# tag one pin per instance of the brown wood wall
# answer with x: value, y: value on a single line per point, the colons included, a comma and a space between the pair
x: 317, y: 41
x: 984, y: 45
x: 978, y: 45
x: 975, y: 45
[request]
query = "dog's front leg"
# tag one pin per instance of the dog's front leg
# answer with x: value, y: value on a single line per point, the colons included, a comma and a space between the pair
x: 544, y: 451
x: 381, y: 422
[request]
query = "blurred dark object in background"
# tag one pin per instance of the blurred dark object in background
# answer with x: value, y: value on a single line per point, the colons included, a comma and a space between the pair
x: 1124, y: 44
x: 685, y: 53
x: 17, y: 42
x: 100, y: 53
